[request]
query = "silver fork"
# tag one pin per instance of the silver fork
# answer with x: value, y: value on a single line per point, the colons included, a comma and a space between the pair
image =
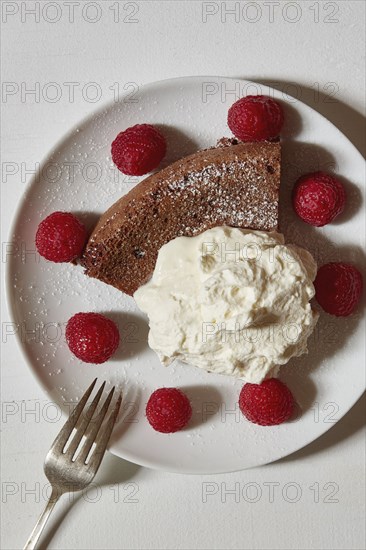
x: 71, y: 468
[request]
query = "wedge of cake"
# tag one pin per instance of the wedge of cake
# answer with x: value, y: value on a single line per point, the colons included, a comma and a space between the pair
x: 234, y: 185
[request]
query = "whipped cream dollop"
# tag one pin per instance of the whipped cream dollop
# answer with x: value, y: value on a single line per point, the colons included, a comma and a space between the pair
x: 230, y: 301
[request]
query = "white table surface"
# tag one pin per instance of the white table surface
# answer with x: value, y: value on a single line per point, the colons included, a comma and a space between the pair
x: 312, y: 499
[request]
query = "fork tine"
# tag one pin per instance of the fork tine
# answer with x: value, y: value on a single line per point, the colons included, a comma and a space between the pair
x: 103, y: 438
x: 86, y: 418
x: 93, y: 429
x: 61, y: 439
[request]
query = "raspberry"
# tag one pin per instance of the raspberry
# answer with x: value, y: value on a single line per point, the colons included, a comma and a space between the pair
x: 268, y: 403
x: 138, y: 150
x: 338, y: 288
x: 168, y: 410
x: 255, y: 118
x: 60, y: 237
x: 318, y: 198
x: 92, y: 337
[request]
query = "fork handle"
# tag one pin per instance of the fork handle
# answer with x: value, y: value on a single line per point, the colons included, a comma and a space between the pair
x: 36, y: 533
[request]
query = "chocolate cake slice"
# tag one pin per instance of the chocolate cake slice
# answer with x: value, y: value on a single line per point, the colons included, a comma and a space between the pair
x: 235, y: 185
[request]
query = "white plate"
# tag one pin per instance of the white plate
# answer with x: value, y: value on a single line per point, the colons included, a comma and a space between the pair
x: 79, y: 177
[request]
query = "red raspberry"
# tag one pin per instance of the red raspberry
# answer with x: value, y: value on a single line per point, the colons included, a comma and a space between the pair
x: 255, y: 118
x: 60, y: 237
x: 318, y: 198
x: 268, y: 403
x: 338, y: 288
x: 92, y: 337
x: 168, y: 410
x: 138, y: 150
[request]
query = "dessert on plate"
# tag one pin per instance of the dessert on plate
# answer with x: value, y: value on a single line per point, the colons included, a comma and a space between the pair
x: 197, y: 245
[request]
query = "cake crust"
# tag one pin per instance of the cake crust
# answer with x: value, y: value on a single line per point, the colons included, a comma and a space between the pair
x: 235, y: 185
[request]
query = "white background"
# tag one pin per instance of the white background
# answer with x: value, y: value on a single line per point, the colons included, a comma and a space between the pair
x: 317, y: 45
